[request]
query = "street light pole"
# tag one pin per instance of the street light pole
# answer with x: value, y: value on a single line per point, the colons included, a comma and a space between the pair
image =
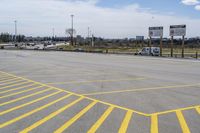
x: 88, y: 32
x: 89, y: 36
x: 15, y: 30
x: 53, y: 32
x: 72, y: 36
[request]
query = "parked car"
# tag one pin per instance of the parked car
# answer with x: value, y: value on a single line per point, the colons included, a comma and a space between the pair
x: 150, y: 51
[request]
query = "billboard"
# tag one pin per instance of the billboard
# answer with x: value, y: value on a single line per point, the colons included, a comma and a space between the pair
x: 155, y: 31
x: 177, y: 30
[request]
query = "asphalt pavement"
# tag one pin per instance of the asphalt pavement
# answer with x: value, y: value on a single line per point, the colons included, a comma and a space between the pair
x: 72, y: 92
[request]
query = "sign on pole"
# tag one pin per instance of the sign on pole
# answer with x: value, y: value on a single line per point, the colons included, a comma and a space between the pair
x: 155, y: 31
x: 177, y: 30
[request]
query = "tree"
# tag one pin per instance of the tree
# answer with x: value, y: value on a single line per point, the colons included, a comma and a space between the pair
x: 5, y: 37
x: 71, y: 33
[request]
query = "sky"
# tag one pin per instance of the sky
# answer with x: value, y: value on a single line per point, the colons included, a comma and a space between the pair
x: 106, y: 18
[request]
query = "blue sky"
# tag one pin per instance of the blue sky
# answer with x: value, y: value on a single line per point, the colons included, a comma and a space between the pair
x: 163, y: 6
x: 106, y: 18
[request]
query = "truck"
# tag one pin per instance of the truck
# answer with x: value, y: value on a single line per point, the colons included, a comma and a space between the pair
x: 149, y: 51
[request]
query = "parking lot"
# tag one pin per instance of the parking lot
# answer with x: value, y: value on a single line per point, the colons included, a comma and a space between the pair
x: 82, y: 92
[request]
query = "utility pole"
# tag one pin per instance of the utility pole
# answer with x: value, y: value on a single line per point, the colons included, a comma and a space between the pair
x: 15, y: 30
x: 88, y: 32
x: 88, y: 35
x: 53, y: 32
x: 72, y: 36
x: 92, y: 40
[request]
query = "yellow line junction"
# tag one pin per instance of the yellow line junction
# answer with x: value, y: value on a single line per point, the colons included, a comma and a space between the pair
x: 14, y: 90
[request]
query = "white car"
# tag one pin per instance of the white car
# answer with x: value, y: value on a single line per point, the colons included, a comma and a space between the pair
x: 153, y: 51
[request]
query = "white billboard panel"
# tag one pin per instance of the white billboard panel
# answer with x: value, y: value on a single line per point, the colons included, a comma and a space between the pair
x: 155, y: 31
x: 177, y: 30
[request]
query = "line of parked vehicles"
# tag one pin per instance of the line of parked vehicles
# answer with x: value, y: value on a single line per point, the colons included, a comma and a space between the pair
x: 34, y: 46
x: 147, y: 51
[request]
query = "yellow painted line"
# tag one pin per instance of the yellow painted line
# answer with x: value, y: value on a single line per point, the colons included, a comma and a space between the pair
x: 154, y: 123
x: 18, y: 88
x: 174, y: 110
x: 119, y: 107
x: 182, y: 122
x: 198, y: 109
x: 20, y: 92
x: 8, y: 79
x: 100, y: 121
x: 141, y: 89
x: 11, y: 82
x: 75, y: 118
x: 21, y: 83
x: 27, y: 96
x: 125, y: 123
x: 95, y: 81
x: 64, y: 75
x: 2, y: 77
x: 26, y: 104
x: 105, y: 103
x: 32, y: 112
x: 40, y: 122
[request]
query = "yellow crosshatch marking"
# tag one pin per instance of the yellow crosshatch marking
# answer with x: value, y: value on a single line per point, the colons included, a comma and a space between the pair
x: 4, y: 79
x: 26, y: 104
x: 198, y: 109
x: 154, y: 123
x: 18, y: 88
x: 21, y: 83
x: 28, y: 85
x: 24, y: 97
x: 20, y: 92
x: 10, y: 82
x: 76, y: 117
x: 51, y: 115
x: 94, y: 128
x: 182, y: 122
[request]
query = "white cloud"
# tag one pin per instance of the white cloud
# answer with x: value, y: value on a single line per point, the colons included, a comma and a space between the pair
x: 197, y: 7
x: 190, y: 2
x: 38, y: 17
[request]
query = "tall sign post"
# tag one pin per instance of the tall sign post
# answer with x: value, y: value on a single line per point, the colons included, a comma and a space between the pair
x: 178, y: 30
x: 183, y: 46
x: 161, y: 45
x: 172, y: 46
x: 156, y: 32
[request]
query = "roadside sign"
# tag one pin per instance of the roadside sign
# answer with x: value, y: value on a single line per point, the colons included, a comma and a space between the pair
x: 177, y: 30
x: 155, y: 31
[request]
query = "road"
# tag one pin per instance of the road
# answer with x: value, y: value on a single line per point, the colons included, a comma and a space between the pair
x: 82, y: 92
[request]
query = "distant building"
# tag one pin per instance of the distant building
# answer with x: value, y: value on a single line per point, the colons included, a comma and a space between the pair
x: 139, y: 38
